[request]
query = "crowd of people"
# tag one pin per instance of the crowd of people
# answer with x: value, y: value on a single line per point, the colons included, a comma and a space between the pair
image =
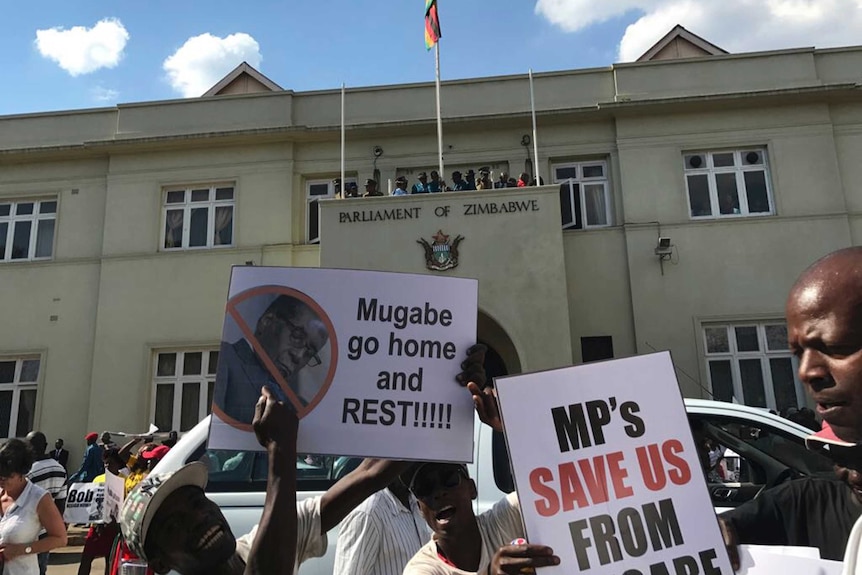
x: 34, y: 485
x: 418, y: 518
x: 471, y: 180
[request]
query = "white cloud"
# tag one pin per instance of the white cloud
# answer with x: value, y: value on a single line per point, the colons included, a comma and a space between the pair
x: 81, y: 50
x: 204, y: 60
x: 104, y: 95
x: 735, y: 25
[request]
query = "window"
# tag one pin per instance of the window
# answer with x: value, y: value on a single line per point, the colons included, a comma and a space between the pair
x: 751, y: 362
x: 199, y: 217
x: 741, y: 455
x: 317, y: 190
x: 584, y: 194
x: 731, y: 183
x: 27, y: 229
x: 183, y: 388
x: 597, y: 348
x: 18, y: 386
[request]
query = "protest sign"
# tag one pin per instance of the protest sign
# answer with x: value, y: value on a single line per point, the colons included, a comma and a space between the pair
x: 367, y: 360
x: 607, y: 472
x: 85, y: 503
x: 114, y: 495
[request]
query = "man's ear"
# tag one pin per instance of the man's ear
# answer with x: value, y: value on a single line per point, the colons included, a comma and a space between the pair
x: 474, y: 493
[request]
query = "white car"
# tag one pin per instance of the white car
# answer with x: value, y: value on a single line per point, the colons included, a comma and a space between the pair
x: 759, y: 450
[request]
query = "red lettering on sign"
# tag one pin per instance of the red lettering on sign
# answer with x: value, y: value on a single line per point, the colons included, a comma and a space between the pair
x: 549, y: 504
x: 681, y: 474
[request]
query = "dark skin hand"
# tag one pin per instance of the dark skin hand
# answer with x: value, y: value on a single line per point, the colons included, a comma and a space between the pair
x: 274, y: 549
x: 517, y: 559
x: 731, y: 542
x: 473, y: 368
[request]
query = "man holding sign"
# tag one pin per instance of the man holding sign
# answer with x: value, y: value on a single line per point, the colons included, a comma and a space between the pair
x: 463, y: 542
x: 607, y: 472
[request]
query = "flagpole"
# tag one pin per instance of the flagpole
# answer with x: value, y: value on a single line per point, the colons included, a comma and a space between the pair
x: 343, y: 183
x: 538, y: 174
x: 439, y: 118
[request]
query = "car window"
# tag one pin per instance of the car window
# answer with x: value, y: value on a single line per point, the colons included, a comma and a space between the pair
x: 788, y: 449
x: 244, y: 471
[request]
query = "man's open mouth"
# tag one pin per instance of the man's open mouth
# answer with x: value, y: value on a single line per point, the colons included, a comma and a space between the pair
x: 210, y: 537
x: 445, y: 513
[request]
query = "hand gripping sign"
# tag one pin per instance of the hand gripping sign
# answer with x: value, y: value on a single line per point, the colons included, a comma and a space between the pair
x: 366, y: 359
x: 607, y: 471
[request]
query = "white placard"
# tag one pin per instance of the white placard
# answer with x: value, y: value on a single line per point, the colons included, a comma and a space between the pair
x: 768, y: 560
x: 367, y: 359
x: 85, y: 503
x: 607, y: 472
x: 115, y: 488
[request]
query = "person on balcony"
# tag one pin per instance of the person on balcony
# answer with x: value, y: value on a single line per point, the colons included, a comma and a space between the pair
x: 400, y: 186
x: 420, y: 187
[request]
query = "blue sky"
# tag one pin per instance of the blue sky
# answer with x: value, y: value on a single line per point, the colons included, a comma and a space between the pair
x: 303, y: 45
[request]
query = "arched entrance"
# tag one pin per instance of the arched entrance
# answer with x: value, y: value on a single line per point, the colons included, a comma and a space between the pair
x: 501, y: 359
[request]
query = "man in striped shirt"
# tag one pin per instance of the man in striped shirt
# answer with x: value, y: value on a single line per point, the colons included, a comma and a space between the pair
x: 381, y: 535
x: 48, y: 474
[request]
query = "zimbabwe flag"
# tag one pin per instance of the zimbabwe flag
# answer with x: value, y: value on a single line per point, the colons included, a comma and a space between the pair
x: 432, y: 24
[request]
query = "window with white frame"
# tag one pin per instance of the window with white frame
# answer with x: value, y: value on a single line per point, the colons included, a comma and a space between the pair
x: 317, y: 190
x: 198, y: 217
x: 19, y: 377
x: 584, y: 194
x: 729, y: 183
x: 752, y: 363
x: 27, y: 229
x: 183, y: 387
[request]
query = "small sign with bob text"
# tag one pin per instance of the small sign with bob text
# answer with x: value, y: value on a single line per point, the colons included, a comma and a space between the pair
x: 367, y: 360
x: 607, y: 471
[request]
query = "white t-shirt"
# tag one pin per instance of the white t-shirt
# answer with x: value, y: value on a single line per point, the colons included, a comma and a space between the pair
x: 310, y: 542
x: 498, y: 526
x: 380, y: 536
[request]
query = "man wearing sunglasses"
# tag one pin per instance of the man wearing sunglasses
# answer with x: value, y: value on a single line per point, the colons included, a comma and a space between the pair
x: 463, y: 542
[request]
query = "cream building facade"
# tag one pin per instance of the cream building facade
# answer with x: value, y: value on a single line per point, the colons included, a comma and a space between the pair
x: 119, y: 226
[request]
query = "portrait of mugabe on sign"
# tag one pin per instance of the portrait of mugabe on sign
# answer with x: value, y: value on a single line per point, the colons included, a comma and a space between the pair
x: 273, y: 336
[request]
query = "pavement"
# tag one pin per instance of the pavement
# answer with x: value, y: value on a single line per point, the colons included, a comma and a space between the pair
x: 65, y: 560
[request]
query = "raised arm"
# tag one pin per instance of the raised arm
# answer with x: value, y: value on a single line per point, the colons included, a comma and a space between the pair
x: 371, y: 476
x: 274, y: 549
x: 126, y: 450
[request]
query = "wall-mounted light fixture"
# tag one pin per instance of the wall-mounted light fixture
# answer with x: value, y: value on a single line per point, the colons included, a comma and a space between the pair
x: 664, y: 251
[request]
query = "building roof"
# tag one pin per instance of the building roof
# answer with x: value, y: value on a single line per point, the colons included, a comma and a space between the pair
x: 243, y: 79
x: 680, y: 43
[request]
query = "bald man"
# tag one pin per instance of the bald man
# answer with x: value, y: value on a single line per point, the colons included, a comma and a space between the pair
x: 824, y: 328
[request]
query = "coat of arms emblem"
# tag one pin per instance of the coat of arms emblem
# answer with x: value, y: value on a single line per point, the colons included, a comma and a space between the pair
x: 441, y: 255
